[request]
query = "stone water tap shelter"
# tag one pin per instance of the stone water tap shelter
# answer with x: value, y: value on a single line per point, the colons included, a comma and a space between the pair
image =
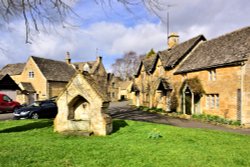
x: 82, y: 107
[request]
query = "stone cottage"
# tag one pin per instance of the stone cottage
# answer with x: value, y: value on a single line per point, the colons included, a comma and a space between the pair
x: 82, y: 107
x: 199, y: 76
x: 46, y: 78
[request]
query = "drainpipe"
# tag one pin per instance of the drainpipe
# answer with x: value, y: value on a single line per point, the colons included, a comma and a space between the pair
x: 243, y: 69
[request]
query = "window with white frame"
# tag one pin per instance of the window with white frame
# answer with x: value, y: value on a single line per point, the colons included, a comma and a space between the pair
x: 212, y: 101
x: 212, y: 75
x: 31, y: 74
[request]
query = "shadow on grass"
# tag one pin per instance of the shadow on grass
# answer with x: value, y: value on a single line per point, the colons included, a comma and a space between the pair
x: 34, y: 125
x: 117, y: 124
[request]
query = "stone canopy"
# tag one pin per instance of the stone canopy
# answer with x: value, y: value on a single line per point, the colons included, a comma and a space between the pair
x: 82, y: 107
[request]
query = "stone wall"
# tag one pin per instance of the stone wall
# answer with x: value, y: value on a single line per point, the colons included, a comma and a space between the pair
x: 39, y: 82
x: 55, y: 88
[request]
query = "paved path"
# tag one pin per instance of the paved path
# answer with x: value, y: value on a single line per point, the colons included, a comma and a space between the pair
x: 124, y: 111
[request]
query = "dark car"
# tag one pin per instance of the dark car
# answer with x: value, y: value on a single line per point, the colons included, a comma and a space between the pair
x: 38, y: 109
x: 7, y: 104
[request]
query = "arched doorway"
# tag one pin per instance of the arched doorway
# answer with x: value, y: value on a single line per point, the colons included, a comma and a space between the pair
x: 79, y: 109
x: 190, y: 101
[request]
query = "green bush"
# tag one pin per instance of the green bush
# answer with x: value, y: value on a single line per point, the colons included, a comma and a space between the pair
x: 215, y: 118
x: 154, y: 134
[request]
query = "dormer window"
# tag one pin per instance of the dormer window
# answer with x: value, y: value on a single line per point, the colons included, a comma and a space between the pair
x: 31, y: 74
x: 212, y: 75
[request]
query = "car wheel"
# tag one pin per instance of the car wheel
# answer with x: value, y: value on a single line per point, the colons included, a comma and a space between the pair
x: 34, y: 116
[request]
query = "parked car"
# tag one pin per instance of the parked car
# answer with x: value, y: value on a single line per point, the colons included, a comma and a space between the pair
x: 36, y: 110
x: 7, y: 104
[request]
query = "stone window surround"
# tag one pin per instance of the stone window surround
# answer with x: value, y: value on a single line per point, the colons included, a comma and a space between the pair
x: 212, y: 75
x: 31, y: 74
x: 212, y: 101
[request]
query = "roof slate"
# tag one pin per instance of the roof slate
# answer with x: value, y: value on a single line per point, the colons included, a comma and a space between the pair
x: 54, y: 70
x: 27, y: 86
x: 225, y: 50
x: 125, y: 84
x: 96, y: 86
x: 171, y: 57
x: 149, y: 63
x: 13, y: 69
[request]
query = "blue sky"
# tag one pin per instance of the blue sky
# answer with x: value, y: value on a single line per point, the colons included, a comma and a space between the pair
x: 114, y: 30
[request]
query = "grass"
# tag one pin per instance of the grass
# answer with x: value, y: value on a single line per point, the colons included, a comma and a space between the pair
x: 33, y: 143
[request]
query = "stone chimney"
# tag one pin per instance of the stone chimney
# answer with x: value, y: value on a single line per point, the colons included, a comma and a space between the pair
x: 173, y: 40
x: 67, y: 58
x: 99, y: 59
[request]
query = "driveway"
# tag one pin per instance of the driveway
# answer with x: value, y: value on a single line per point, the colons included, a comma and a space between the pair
x: 121, y: 110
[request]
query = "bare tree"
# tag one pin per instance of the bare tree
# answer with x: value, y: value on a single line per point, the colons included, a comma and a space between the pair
x: 36, y: 14
x: 126, y: 66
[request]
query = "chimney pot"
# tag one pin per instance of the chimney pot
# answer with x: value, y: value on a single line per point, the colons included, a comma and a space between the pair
x: 68, y: 59
x: 173, y: 40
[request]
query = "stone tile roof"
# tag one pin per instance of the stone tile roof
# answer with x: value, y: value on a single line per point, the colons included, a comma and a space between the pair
x: 194, y: 85
x: 27, y: 86
x: 13, y: 69
x: 125, y: 84
x: 171, y: 57
x: 96, y: 86
x: 162, y: 84
x: 1, y: 76
x: 80, y: 65
x: 225, y: 50
x: 54, y: 70
x: 149, y: 63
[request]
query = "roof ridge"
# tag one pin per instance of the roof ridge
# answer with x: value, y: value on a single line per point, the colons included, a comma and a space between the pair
x: 228, y: 33
x: 48, y: 59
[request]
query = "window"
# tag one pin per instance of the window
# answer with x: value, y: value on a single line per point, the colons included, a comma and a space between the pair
x: 212, y: 101
x: 113, y: 85
x: 6, y: 98
x: 212, y: 75
x: 31, y: 74
x: 113, y: 94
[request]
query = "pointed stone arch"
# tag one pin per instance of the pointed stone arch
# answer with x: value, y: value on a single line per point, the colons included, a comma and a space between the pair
x: 191, y: 93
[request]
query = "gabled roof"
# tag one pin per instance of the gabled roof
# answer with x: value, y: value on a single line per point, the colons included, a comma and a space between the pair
x: 80, y: 65
x: 229, y: 49
x: 27, y: 86
x: 54, y: 70
x: 149, y: 64
x: 125, y: 84
x: 101, y: 92
x: 7, y: 83
x: 12, y: 69
x: 162, y: 84
x: 171, y: 57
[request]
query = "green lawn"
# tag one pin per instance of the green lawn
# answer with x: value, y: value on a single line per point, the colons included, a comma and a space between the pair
x: 33, y: 143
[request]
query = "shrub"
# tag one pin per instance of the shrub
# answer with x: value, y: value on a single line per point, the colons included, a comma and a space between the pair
x: 154, y: 134
x: 215, y: 118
